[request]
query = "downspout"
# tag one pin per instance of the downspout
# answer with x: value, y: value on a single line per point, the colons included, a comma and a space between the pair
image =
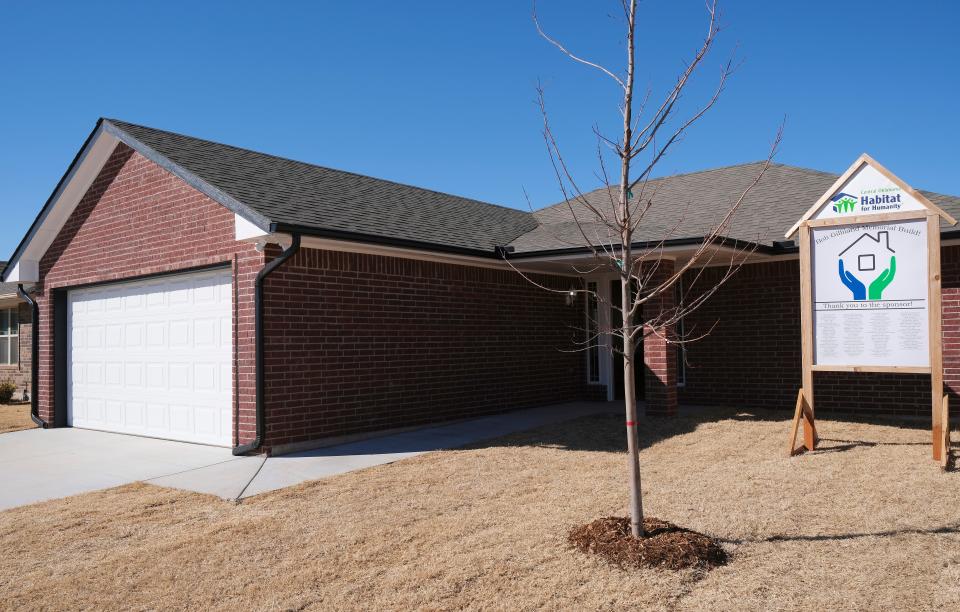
x: 258, y: 343
x: 34, y: 356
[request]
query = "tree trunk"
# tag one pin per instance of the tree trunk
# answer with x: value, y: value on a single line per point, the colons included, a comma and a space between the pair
x: 630, y: 399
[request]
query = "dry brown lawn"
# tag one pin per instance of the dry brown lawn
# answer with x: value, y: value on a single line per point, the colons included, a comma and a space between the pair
x: 869, y: 522
x: 14, y: 417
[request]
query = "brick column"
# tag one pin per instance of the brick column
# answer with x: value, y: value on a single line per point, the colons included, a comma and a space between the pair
x: 660, y: 357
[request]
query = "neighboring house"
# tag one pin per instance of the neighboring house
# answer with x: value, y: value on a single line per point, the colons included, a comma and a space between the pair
x: 15, y: 322
x: 197, y: 291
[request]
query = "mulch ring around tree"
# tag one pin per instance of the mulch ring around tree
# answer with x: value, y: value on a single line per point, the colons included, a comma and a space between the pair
x: 664, y: 545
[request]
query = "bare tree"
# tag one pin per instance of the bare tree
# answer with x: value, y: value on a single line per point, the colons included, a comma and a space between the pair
x: 608, y: 225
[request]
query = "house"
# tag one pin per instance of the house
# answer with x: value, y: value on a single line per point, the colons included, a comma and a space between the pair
x: 16, y: 318
x: 196, y: 291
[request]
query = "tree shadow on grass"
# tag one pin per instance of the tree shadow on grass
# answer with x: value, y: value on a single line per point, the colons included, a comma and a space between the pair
x: 838, y: 537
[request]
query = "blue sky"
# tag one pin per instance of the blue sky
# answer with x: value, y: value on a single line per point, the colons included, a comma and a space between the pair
x: 441, y: 94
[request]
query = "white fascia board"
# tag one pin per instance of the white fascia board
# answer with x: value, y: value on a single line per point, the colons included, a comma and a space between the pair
x: 247, y: 230
x: 23, y: 271
x: 25, y: 268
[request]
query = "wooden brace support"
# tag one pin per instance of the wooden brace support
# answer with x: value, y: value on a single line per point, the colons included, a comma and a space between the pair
x: 810, y: 437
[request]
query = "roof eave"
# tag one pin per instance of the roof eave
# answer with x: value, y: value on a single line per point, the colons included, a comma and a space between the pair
x: 319, y: 232
x: 733, y: 243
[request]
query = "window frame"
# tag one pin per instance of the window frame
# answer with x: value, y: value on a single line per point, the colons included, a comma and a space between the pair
x: 10, y: 318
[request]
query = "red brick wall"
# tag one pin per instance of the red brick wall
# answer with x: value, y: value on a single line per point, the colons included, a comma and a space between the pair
x: 659, y: 355
x: 138, y: 219
x: 950, y: 291
x: 752, y: 357
x: 362, y: 342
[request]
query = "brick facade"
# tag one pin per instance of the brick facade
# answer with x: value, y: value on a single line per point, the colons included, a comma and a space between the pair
x: 357, y: 343
x: 137, y: 219
x: 19, y: 374
x: 659, y: 354
x: 353, y: 342
x: 752, y: 357
x: 365, y: 342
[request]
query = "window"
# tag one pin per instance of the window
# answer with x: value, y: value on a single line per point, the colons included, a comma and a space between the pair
x: 593, y: 338
x: 9, y: 337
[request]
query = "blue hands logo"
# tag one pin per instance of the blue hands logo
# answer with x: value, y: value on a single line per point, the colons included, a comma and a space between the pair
x: 854, y: 284
x: 859, y: 290
x: 866, y: 253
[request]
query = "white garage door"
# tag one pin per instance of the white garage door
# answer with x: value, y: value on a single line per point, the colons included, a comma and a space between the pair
x: 153, y: 357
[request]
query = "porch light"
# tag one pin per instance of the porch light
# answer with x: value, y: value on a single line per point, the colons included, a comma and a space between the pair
x: 571, y: 295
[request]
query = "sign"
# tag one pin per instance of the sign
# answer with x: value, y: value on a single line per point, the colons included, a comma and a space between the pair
x: 870, y: 294
x: 870, y: 289
x: 868, y: 192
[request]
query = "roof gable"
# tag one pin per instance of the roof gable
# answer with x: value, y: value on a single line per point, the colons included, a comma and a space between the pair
x: 868, y: 188
x: 276, y: 193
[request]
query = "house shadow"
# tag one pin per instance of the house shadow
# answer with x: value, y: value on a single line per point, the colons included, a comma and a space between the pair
x: 587, y: 426
x: 594, y: 427
x: 604, y: 431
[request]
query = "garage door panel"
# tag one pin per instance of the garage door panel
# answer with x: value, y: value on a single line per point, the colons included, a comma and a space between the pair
x: 135, y: 414
x: 158, y: 419
x: 156, y: 376
x: 154, y: 357
x: 113, y: 375
x: 181, y: 419
x: 113, y: 412
x: 94, y: 374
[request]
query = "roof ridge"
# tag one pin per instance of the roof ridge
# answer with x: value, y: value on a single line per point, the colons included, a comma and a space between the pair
x: 659, y: 178
x: 705, y: 171
x: 298, y: 161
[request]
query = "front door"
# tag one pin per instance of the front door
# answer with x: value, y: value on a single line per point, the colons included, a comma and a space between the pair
x: 616, y: 321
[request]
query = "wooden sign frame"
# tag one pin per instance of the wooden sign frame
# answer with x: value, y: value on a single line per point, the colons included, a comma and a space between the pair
x: 805, y: 398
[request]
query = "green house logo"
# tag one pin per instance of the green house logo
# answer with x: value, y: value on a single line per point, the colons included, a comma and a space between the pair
x: 844, y: 203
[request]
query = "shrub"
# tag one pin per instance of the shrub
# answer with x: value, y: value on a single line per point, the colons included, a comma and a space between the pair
x: 6, y: 391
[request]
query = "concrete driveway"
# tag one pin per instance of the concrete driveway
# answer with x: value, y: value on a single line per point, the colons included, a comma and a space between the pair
x: 37, y: 464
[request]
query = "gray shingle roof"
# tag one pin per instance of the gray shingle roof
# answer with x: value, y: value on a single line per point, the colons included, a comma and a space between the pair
x: 689, y: 205
x: 289, y: 192
x: 292, y: 193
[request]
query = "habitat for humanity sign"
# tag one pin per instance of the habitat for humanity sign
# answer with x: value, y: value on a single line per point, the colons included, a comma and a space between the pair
x: 868, y: 192
x: 870, y: 294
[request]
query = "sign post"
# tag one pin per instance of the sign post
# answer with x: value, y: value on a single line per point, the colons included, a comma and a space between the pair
x: 870, y: 289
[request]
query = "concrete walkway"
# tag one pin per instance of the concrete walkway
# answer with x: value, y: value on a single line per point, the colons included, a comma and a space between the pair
x: 36, y: 465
